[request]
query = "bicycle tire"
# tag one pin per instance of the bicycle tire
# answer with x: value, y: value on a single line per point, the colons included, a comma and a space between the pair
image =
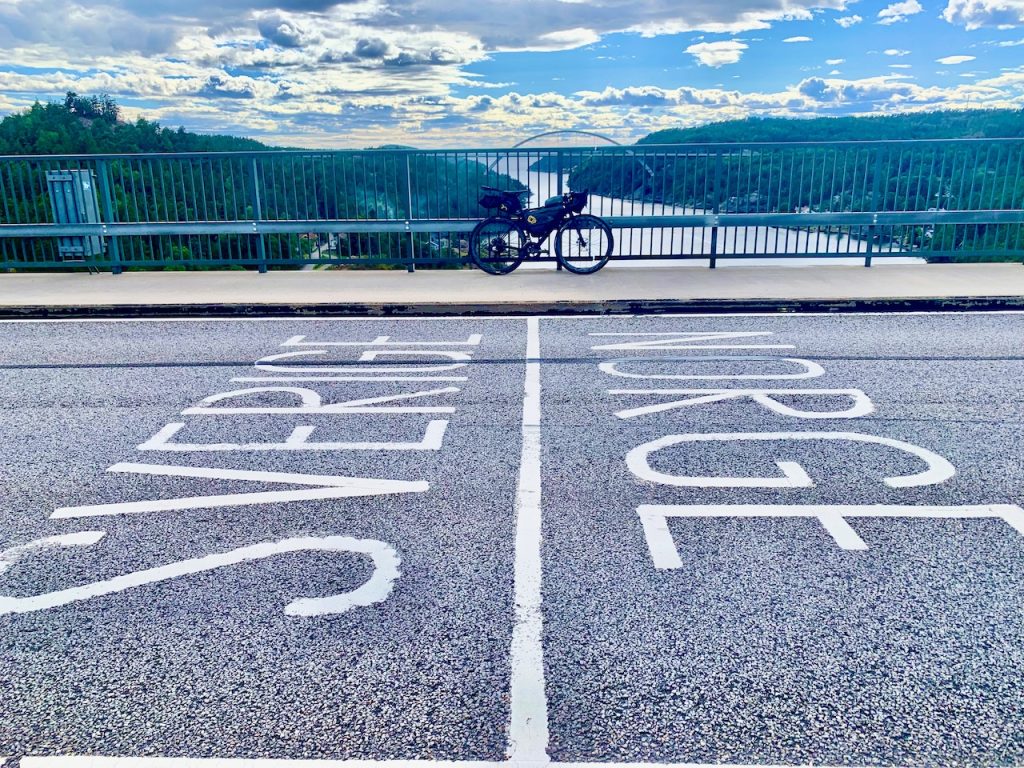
x: 596, y: 255
x: 504, y: 242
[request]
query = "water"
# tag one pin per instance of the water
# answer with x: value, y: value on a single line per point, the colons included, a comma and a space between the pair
x: 694, y: 240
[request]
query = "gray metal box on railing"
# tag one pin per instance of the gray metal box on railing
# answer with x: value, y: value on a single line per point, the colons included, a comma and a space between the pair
x: 74, y: 200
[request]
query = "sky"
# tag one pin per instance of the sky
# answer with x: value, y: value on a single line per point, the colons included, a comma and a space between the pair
x: 470, y: 73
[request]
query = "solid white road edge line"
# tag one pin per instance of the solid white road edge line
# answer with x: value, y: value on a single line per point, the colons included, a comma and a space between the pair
x: 528, y: 725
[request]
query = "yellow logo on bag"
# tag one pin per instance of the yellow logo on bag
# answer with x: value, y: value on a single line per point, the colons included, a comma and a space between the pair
x: 531, y: 219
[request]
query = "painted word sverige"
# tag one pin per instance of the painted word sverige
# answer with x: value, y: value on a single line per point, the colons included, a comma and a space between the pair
x: 296, y: 401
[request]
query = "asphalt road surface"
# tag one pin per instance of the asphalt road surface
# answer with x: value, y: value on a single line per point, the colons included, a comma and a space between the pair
x: 750, y: 540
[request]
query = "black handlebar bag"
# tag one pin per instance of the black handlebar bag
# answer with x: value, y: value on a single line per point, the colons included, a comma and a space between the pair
x: 577, y: 201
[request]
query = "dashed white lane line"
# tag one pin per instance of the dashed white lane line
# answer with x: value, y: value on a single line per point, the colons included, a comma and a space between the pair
x: 528, y: 724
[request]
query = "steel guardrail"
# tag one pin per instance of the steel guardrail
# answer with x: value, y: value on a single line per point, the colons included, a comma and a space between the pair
x: 936, y: 199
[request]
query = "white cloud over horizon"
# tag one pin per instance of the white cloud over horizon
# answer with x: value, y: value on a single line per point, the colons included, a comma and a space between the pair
x: 974, y: 14
x: 365, y: 72
x: 718, y: 53
x: 897, y: 12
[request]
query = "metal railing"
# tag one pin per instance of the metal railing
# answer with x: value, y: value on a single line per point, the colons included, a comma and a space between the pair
x: 960, y: 199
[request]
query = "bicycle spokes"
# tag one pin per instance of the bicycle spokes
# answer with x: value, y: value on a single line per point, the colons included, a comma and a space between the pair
x: 584, y: 243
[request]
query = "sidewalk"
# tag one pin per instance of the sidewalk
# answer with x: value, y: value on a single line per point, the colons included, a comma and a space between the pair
x: 673, y: 289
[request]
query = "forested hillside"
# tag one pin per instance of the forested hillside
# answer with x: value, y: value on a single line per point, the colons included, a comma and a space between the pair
x: 970, y: 124
x: 831, y: 177
x: 372, y: 184
x: 92, y: 125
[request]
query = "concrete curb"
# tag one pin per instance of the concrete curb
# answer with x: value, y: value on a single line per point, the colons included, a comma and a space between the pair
x: 553, y: 308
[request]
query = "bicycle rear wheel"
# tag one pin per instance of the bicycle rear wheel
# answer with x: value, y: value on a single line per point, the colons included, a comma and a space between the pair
x: 583, y: 244
x: 497, y: 245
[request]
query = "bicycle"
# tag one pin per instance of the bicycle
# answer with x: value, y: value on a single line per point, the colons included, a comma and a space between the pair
x: 501, y: 242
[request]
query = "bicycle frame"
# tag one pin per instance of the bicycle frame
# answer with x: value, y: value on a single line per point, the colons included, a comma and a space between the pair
x: 536, y: 243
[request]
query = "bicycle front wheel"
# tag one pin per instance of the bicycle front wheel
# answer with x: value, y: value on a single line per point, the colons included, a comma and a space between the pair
x: 497, y: 245
x: 583, y: 244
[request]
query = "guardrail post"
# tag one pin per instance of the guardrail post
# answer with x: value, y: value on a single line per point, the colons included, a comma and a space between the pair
x: 109, y: 217
x: 257, y: 215
x: 715, y: 209
x: 875, y: 184
x: 411, y: 266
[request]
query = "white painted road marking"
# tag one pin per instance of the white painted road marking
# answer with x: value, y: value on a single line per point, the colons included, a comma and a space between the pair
x: 374, y: 590
x: 371, y: 355
x: 684, y: 340
x: 81, y: 539
x: 939, y: 469
x: 326, y: 487
x: 862, y: 405
x: 665, y: 555
x: 811, y: 369
x: 382, y: 341
x: 310, y: 402
x: 528, y: 726
x: 263, y: 364
x: 348, y: 378
x: 297, y: 440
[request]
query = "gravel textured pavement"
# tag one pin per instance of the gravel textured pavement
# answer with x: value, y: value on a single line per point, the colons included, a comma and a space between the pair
x: 768, y: 643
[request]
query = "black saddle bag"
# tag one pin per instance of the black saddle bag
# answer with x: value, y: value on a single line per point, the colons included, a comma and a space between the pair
x: 503, y: 201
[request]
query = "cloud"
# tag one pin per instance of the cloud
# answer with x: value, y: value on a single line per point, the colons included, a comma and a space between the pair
x: 371, y: 48
x: 543, y: 25
x: 285, y: 32
x: 901, y: 66
x: 524, y: 25
x: 433, y: 57
x: 1009, y: 43
x: 955, y: 59
x: 895, y: 52
x: 73, y: 27
x: 224, y: 86
x: 650, y: 96
x: 798, y: 39
x: 367, y: 72
x: 575, y: 37
x: 897, y: 12
x: 718, y: 53
x: 369, y: 106
x: 974, y: 14
x: 861, y: 93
